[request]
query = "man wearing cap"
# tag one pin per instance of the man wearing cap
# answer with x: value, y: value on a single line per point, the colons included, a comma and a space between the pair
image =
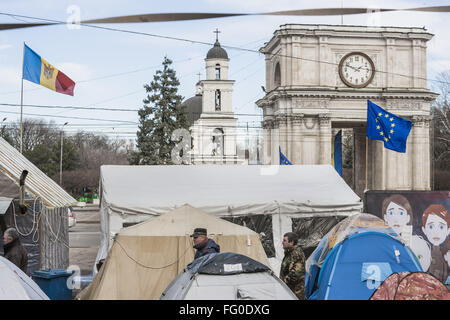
x: 203, y: 244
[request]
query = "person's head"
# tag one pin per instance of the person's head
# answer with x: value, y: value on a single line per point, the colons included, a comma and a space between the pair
x: 397, y: 212
x: 199, y: 235
x: 10, y: 235
x: 436, y: 223
x: 290, y: 239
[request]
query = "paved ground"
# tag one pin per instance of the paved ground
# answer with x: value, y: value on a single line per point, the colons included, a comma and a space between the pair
x: 84, y: 238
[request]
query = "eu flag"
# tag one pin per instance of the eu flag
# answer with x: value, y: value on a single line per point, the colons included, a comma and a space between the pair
x: 283, y: 159
x: 387, y: 127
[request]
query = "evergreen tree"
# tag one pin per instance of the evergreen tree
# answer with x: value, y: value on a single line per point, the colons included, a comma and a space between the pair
x: 161, y: 114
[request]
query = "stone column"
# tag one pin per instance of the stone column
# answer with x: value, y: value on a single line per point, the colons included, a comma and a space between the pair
x: 267, y: 131
x: 283, y: 136
x: 296, y: 153
x: 421, y: 153
x: 416, y: 60
x: 289, y: 69
x: 283, y: 61
x: 275, y: 133
x: 289, y: 137
x: 324, y: 78
x: 359, y: 160
x: 390, y: 60
x: 325, y: 139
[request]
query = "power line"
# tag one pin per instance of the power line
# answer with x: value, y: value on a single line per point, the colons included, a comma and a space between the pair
x: 64, y: 117
x: 107, y: 109
x: 57, y: 22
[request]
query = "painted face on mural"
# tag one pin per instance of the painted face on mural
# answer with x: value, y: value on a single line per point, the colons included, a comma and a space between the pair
x: 436, y: 229
x: 396, y: 217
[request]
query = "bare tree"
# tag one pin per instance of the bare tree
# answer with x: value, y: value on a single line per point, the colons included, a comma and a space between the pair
x: 35, y: 132
x: 441, y: 120
x: 93, y: 151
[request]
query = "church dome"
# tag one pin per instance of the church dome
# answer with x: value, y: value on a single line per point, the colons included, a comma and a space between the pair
x: 193, y: 108
x: 217, y: 52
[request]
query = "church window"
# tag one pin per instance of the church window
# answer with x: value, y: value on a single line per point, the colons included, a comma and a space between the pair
x: 218, y: 100
x: 217, y: 71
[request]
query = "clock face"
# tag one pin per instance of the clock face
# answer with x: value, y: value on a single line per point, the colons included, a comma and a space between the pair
x: 356, y: 70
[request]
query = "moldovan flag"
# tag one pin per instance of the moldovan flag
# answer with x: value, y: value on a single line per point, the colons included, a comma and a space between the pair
x: 37, y: 70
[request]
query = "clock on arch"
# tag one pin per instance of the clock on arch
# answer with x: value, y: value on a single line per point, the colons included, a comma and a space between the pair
x: 356, y: 69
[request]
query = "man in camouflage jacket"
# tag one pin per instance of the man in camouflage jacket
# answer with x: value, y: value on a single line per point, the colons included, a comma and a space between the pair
x: 293, y: 266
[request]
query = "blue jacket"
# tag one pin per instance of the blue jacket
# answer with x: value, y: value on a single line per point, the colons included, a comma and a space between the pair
x: 210, y: 247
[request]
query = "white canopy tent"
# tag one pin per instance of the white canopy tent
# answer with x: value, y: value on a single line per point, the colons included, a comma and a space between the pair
x: 133, y: 194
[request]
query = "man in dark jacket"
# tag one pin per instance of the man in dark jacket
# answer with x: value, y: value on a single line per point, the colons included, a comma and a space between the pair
x: 13, y: 249
x: 203, y: 244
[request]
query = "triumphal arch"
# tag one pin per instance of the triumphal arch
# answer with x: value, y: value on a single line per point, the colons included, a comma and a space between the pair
x: 318, y: 80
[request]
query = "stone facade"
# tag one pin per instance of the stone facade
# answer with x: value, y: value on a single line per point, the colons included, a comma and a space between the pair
x: 306, y: 98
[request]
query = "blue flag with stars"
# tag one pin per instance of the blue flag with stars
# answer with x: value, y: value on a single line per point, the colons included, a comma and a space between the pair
x: 283, y: 159
x: 387, y: 127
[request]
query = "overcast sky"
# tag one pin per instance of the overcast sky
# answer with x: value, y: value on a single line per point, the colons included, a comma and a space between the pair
x: 110, y: 68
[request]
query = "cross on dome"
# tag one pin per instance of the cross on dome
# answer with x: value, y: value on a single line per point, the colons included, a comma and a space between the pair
x: 217, y: 34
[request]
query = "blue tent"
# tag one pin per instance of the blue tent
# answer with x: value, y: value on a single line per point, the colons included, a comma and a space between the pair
x: 354, y: 258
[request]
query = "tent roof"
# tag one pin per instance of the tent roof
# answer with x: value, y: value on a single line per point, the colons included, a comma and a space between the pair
x: 226, y: 263
x: 225, y: 276
x: 12, y: 163
x: 226, y: 189
x: 355, y: 224
x: 411, y: 286
x: 16, y: 285
x: 182, y: 222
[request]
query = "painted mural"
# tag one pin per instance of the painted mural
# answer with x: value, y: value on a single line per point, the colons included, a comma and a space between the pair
x: 422, y: 219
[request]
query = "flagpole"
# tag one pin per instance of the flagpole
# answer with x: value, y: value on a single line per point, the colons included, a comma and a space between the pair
x: 21, y: 104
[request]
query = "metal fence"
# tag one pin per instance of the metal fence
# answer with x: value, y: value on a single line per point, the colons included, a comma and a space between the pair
x: 44, y: 234
x: 54, y: 237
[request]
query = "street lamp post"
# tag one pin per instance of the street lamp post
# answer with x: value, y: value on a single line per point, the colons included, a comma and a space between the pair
x: 61, y: 157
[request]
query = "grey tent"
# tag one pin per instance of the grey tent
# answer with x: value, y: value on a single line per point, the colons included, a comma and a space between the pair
x: 16, y: 285
x: 227, y: 276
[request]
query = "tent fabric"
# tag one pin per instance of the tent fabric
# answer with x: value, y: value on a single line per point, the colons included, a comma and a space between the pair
x: 16, y: 285
x: 225, y: 263
x: 144, y: 258
x: 246, y: 279
x: 248, y: 188
x: 343, y: 268
x: 358, y: 223
x: 411, y: 286
x: 133, y: 194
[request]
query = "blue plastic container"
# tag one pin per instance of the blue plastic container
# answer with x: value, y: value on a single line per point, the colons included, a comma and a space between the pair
x: 54, y: 283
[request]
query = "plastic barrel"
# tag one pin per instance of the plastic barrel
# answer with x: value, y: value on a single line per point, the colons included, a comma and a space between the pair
x: 54, y: 283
